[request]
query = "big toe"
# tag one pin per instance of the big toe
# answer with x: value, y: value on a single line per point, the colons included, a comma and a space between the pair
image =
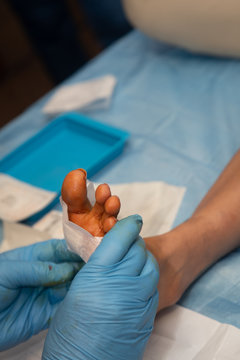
x: 74, y: 190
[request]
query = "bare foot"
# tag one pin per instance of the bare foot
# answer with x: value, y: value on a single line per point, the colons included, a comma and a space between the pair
x: 169, y: 252
x: 100, y: 218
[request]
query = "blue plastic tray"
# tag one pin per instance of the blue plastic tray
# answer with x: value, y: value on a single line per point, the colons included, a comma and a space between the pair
x: 69, y: 142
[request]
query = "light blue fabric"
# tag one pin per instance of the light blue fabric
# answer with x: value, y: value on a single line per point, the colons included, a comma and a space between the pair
x: 1, y: 231
x: 183, y: 113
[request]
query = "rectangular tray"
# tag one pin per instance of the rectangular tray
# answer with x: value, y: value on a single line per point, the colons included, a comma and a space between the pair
x: 69, y: 142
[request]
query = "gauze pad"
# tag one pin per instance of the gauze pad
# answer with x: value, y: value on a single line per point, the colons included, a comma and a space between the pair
x: 79, y: 240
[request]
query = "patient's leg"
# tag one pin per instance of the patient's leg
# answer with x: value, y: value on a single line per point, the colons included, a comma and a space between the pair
x: 184, y: 252
x: 98, y: 219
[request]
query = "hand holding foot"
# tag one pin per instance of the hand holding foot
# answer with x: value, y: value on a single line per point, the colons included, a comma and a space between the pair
x: 100, y: 218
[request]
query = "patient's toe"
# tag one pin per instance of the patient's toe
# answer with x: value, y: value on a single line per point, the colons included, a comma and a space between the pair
x: 102, y: 193
x: 74, y: 191
x: 108, y: 223
x: 112, y: 205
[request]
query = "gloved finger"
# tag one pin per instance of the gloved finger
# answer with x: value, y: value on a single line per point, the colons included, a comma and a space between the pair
x: 132, y: 264
x: 117, y: 241
x: 56, y: 251
x: 149, y: 277
x: 54, y: 308
x: 58, y: 293
x: 22, y: 273
x: 51, y: 250
x: 50, y: 298
x: 48, y: 311
x: 152, y: 309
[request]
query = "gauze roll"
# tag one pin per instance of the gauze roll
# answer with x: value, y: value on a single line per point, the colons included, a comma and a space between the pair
x: 79, y: 240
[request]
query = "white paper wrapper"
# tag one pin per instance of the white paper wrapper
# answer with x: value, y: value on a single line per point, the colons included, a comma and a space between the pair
x: 16, y: 235
x: 79, y: 240
x: 19, y: 200
x: 179, y: 334
x: 51, y: 223
x: 87, y: 95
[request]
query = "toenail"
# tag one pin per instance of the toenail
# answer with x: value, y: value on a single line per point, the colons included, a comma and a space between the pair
x: 83, y: 171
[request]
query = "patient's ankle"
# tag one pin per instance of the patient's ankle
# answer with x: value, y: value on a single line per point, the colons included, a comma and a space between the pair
x: 176, y: 261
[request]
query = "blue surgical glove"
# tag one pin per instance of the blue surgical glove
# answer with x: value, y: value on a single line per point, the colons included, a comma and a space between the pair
x: 110, y: 308
x: 33, y: 281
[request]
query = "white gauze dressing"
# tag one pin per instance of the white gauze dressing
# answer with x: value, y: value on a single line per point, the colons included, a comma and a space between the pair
x: 79, y: 240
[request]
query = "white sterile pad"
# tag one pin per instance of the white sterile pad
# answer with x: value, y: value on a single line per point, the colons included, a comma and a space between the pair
x: 178, y: 334
x: 15, y: 235
x: 79, y: 240
x: 91, y: 94
x: 19, y: 200
x: 51, y: 223
x: 182, y: 334
x: 157, y: 202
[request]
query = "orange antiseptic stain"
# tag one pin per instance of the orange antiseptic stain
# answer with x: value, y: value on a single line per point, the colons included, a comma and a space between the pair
x: 97, y: 219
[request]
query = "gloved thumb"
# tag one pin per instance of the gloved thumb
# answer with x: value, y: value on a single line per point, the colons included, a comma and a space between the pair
x: 117, y: 241
x: 38, y: 273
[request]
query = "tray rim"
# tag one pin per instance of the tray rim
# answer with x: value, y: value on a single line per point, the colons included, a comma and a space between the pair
x: 122, y: 135
x: 107, y: 156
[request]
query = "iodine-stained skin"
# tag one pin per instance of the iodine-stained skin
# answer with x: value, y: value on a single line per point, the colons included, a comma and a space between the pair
x: 97, y: 219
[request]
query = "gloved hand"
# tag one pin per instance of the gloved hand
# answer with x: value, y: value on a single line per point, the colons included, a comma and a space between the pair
x: 110, y: 308
x: 33, y: 281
